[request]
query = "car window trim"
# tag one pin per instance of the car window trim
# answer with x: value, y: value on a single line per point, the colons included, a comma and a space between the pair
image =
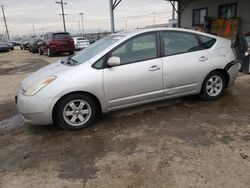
x: 108, y: 54
x: 201, y: 47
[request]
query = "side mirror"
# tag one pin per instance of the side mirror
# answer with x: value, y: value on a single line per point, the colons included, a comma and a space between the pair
x: 114, y: 61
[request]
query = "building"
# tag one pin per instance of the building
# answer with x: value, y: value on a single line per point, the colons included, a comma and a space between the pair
x: 193, y: 13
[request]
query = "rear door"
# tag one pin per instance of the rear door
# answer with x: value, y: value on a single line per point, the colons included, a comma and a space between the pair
x: 63, y: 40
x: 139, y: 77
x: 185, y: 63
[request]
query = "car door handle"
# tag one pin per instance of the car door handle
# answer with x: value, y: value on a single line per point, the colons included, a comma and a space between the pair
x: 154, y: 68
x: 203, y: 58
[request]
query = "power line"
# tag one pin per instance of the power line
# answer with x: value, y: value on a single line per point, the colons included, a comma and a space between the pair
x: 5, y: 23
x: 63, y: 14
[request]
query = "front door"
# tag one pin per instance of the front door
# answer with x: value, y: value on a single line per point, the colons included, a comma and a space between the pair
x: 139, y: 77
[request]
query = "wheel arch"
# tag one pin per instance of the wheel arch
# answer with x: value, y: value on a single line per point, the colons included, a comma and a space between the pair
x: 222, y: 71
x: 96, y: 100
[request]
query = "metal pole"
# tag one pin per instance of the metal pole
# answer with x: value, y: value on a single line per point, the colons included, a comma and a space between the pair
x: 173, y: 15
x: 5, y: 23
x: 79, y: 26
x: 126, y: 25
x: 34, y: 31
x: 112, y: 16
x: 81, y: 14
x: 64, y: 25
x: 154, y: 17
x: 63, y: 15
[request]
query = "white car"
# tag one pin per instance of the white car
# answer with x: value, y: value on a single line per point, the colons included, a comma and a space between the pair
x: 128, y: 69
x: 81, y: 42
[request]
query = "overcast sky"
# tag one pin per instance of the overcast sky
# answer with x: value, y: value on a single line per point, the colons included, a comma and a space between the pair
x: 44, y: 14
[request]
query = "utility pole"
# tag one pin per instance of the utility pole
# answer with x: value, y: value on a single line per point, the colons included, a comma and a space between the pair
x: 34, y: 31
x: 154, y: 17
x: 173, y: 14
x: 63, y: 14
x: 126, y: 25
x: 81, y: 14
x: 79, y: 26
x: 5, y: 23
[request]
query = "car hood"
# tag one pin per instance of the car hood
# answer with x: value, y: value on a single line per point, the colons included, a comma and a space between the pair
x: 54, y: 69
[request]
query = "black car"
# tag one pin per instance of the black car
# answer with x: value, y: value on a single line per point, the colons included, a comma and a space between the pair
x: 4, y: 47
x: 24, y: 45
x: 242, y: 44
x: 8, y: 43
x: 34, y: 45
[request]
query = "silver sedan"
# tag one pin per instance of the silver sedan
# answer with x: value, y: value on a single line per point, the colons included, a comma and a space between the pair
x: 127, y: 69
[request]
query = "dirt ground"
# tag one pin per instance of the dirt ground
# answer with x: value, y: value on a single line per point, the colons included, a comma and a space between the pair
x: 179, y: 143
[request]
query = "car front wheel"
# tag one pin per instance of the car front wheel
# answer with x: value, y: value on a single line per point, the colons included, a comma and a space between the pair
x: 50, y: 53
x: 75, y: 112
x: 213, y: 86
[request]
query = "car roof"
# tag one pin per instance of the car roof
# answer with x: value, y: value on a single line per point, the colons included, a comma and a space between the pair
x: 128, y: 34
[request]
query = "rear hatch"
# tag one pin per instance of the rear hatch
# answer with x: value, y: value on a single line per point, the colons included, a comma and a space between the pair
x: 63, y: 40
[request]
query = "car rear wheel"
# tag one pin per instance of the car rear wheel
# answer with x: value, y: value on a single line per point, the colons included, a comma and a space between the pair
x: 75, y: 112
x: 40, y: 51
x: 213, y: 86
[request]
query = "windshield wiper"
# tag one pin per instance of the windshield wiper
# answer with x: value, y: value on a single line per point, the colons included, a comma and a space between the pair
x: 69, y: 61
x: 73, y: 61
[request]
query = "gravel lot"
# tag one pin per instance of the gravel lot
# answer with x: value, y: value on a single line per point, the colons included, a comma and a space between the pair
x: 179, y: 143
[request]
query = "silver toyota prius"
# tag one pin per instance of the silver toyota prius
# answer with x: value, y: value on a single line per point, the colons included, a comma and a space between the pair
x: 127, y: 69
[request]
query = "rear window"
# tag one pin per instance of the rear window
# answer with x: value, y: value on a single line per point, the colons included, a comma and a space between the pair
x: 207, y: 42
x: 61, y: 36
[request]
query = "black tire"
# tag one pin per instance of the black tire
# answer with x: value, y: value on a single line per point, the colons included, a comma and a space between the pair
x: 63, y: 105
x: 40, y: 51
x: 217, y: 87
x: 50, y: 53
x: 72, y: 53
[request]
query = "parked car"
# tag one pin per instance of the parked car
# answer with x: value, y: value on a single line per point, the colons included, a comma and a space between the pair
x: 24, y: 45
x: 54, y: 43
x: 92, y: 40
x: 8, y: 43
x: 16, y: 41
x: 34, y: 45
x: 242, y: 44
x: 4, y: 47
x: 81, y: 43
x: 125, y: 70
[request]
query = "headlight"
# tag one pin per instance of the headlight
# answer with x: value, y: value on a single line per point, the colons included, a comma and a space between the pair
x: 37, y: 86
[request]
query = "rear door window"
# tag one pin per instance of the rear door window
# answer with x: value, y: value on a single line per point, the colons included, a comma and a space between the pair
x: 179, y: 42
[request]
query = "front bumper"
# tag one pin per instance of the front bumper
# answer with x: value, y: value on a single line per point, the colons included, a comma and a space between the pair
x: 34, y: 109
x: 233, y: 70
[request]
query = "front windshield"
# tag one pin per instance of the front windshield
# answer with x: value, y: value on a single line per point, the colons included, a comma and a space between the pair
x: 95, y: 49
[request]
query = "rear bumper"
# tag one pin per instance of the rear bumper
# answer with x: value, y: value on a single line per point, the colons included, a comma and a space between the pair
x: 62, y: 50
x: 232, y: 70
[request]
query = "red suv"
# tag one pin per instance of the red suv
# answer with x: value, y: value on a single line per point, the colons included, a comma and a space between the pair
x: 54, y: 43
